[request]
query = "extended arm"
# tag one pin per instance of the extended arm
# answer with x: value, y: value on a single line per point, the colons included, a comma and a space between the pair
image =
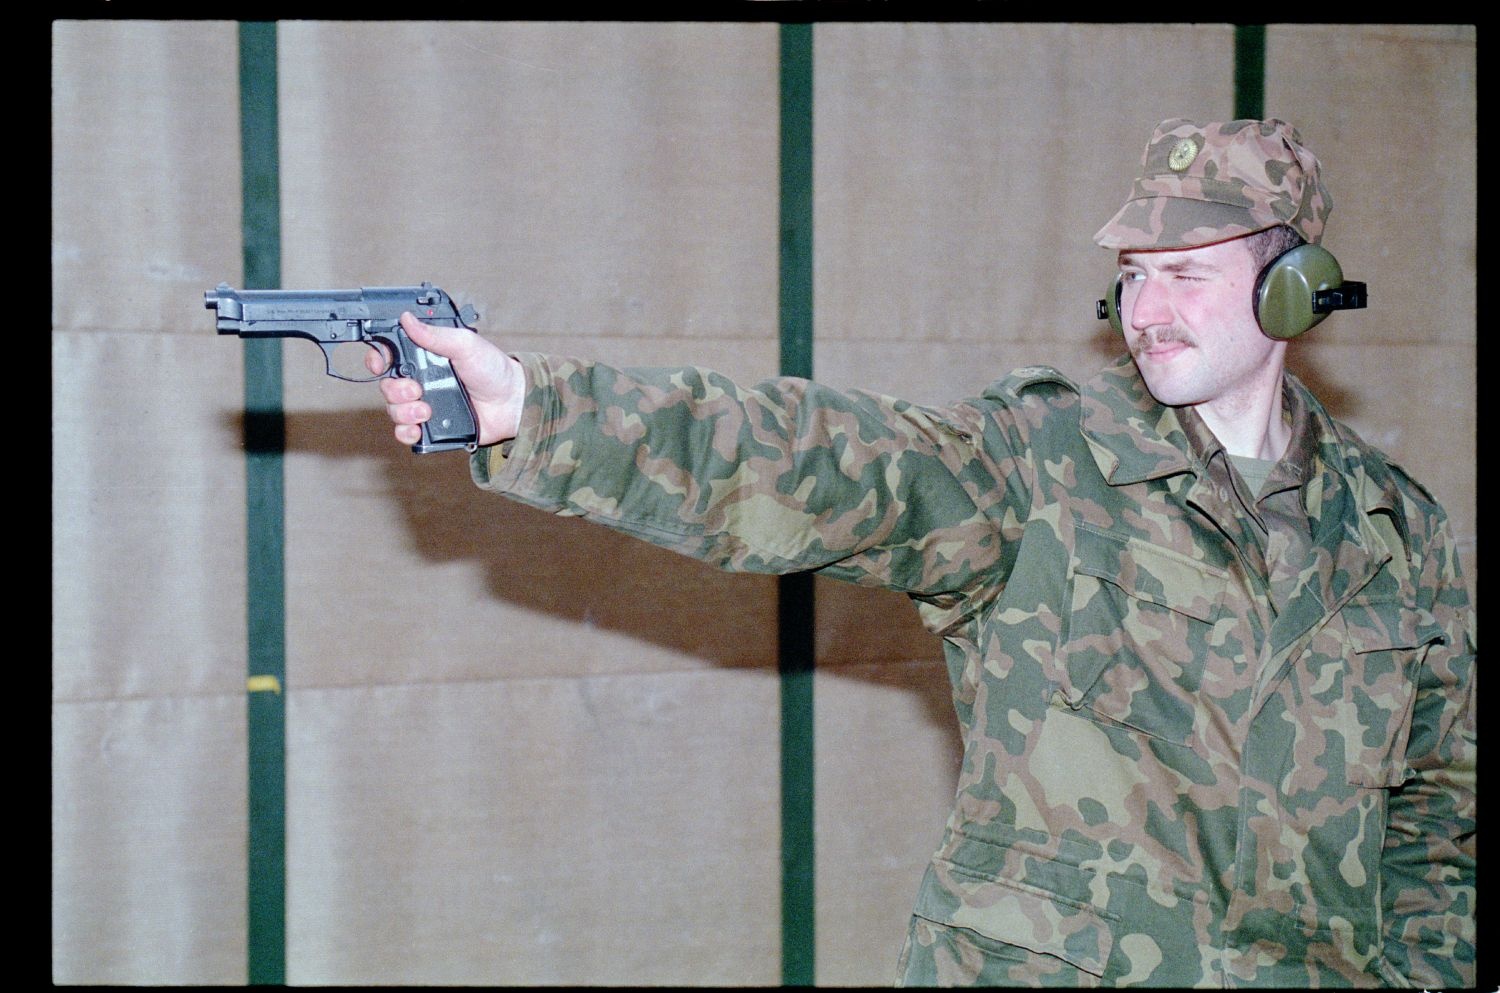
x: 785, y: 476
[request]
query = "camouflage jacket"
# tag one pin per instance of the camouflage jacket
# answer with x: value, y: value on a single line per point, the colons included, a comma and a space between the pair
x: 1169, y: 776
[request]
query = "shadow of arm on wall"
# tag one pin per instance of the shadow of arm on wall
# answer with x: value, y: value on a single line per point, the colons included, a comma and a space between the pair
x: 588, y: 575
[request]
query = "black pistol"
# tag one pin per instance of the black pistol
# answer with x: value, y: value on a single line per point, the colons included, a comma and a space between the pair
x: 368, y: 315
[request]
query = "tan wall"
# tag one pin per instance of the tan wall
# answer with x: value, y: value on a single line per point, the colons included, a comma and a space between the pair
x: 148, y: 510
x: 522, y: 749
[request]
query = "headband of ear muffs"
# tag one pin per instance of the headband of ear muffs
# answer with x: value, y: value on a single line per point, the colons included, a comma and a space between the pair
x: 1292, y: 294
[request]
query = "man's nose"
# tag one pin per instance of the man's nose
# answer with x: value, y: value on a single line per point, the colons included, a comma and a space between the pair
x: 1149, y: 306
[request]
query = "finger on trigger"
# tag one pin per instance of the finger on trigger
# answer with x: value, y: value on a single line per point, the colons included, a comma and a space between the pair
x: 379, y: 358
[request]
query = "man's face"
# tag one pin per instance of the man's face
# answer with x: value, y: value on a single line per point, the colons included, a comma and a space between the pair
x: 1190, y: 326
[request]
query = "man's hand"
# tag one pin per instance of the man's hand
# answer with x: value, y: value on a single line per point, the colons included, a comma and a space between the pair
x: 495, y: 382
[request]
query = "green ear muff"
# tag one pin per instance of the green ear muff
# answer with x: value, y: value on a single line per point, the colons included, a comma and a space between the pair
x: 1290, y: 290
x: 1292, y: 294
x: 1109, y: 307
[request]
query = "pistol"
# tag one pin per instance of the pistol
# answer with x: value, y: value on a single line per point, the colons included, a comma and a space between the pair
x: 368, y: 316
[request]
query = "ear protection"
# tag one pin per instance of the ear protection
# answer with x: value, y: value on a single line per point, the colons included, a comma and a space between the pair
x: 1293, y: 293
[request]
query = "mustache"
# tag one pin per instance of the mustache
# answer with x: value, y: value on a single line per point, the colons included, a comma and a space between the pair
x: 1163, y: 336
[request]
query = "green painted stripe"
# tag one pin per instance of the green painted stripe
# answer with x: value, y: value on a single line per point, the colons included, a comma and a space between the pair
x: 1250, y: 71
x: 795, y: 642
x: 796, y: 200
x: 265, y: 444
x: 798, y: 901
x: 796, y: 598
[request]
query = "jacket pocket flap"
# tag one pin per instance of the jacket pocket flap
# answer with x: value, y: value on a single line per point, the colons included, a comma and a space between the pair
x: 1158, y: 575
x: 1383, y: 625
x: 1017, y: 914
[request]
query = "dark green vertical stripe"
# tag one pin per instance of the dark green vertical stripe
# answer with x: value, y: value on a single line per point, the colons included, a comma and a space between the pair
x: 795, y: 593
x: 1250, y: 71
x: 795, y: 636
x: 796, y: 200
x: 265, y: 443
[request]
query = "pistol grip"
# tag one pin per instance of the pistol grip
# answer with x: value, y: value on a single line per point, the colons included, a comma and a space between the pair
x: 452, y: 424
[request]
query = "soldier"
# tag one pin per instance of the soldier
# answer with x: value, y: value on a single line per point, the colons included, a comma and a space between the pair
x: 1212, y: 655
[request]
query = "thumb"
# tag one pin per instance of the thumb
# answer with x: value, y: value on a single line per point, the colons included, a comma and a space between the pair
x: 450, y: 343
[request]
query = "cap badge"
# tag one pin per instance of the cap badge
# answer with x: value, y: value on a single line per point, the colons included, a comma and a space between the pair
x: 1182, y: 155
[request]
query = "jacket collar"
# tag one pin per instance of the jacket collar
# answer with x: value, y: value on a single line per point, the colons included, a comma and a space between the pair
x: 1135, y: 438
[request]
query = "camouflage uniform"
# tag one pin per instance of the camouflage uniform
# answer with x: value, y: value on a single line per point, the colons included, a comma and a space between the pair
x: 1209, y: 739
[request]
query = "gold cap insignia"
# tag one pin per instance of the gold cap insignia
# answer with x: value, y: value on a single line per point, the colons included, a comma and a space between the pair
x: 1182, y: 155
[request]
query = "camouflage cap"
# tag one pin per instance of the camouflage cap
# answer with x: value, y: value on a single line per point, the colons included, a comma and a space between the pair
x: 1202, y: 183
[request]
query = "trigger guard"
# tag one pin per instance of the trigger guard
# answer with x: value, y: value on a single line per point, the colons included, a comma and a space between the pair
x: 328, y: 348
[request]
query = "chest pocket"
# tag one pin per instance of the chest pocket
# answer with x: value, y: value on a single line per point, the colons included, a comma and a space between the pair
x: 1137, y: 635
x: 1385, y: 641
